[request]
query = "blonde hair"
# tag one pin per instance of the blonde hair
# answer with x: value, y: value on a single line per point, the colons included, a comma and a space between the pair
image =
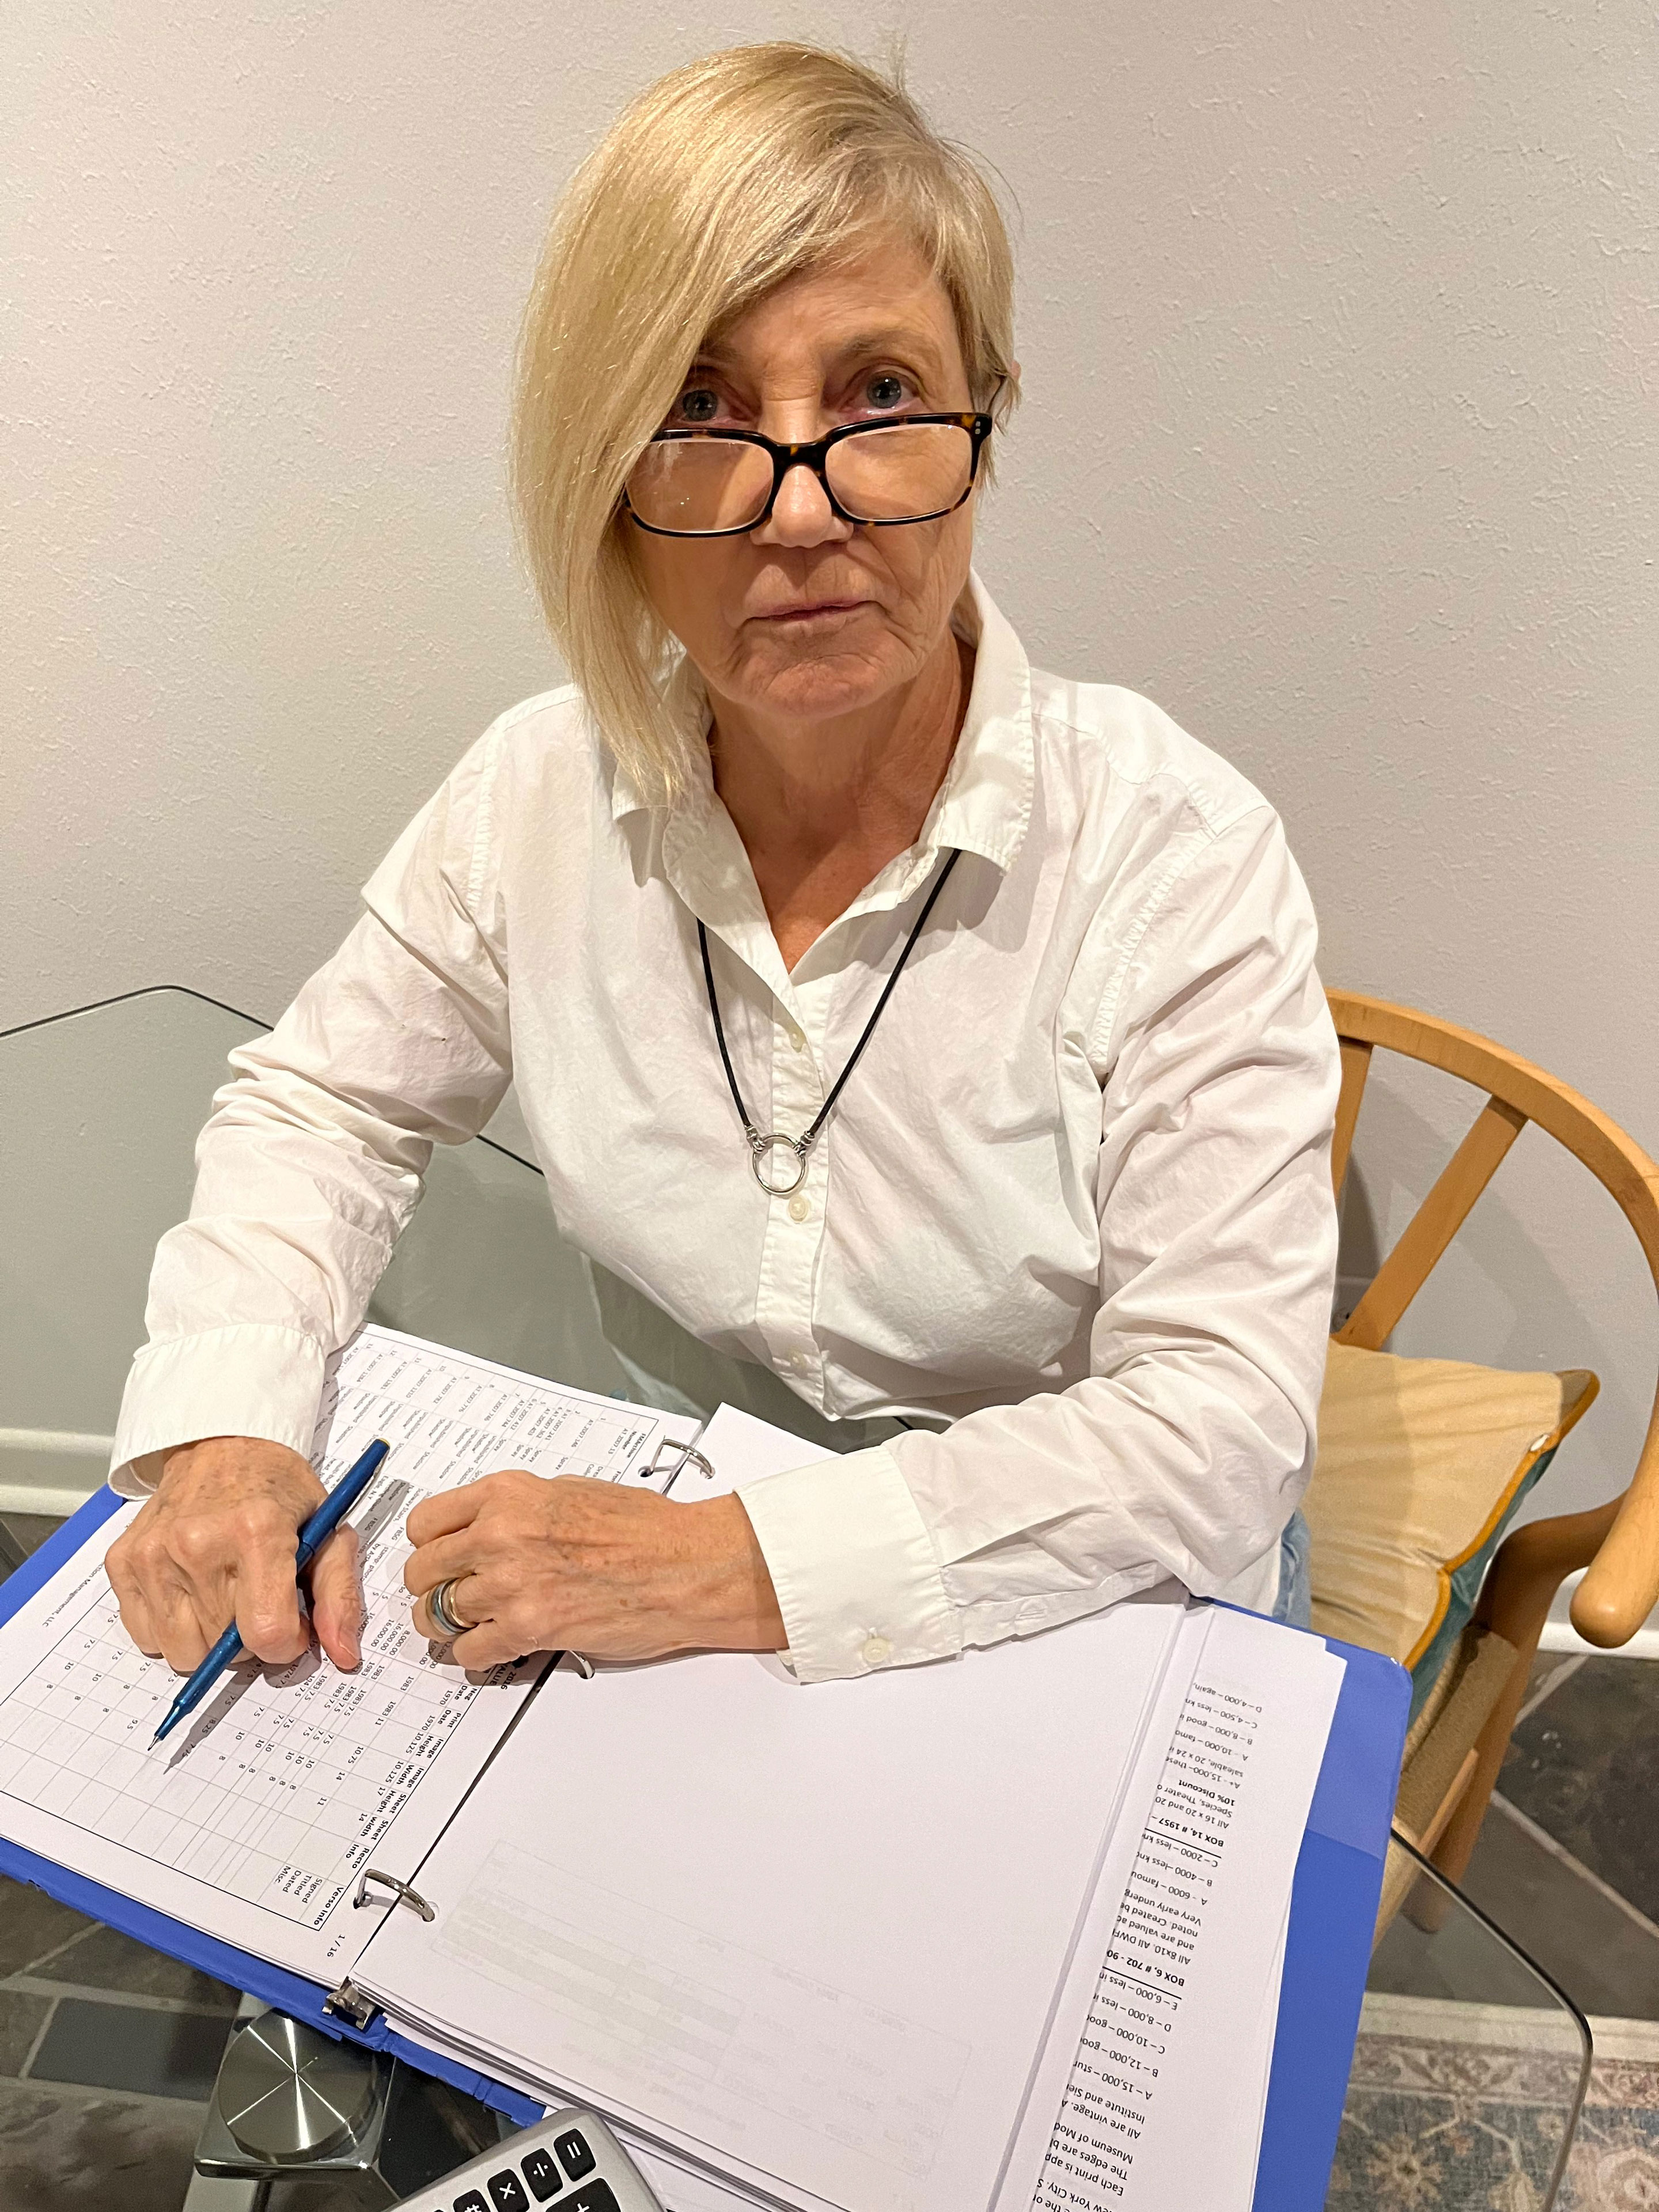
x: 714, y: 185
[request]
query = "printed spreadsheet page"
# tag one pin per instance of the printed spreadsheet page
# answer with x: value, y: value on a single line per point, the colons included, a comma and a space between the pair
x: 255, y: 1818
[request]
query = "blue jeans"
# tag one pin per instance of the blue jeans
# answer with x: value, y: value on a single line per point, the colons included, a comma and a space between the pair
x: 1295, y: 1599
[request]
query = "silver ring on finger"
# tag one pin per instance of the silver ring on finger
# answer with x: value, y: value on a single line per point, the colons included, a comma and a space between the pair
x: 438, y: 1604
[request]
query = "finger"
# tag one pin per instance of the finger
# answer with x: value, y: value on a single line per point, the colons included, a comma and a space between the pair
x: 469, y: 1602
x: 487, y: 1645
x: 440, y: 1560
x: 185, y: 1644
x: 268, y: 1616
x: 441, y: 1516
x: 337, y: 1598
x: 138, y: 1617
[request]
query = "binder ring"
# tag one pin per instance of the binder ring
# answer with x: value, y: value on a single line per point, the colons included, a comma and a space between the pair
x: 403, y: 1891
x: 689, y: 1457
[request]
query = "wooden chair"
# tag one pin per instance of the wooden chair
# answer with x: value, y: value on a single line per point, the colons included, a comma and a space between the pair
x: 1451, y: 1768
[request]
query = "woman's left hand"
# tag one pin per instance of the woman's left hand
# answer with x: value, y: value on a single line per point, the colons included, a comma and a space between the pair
x: 572, y: 1564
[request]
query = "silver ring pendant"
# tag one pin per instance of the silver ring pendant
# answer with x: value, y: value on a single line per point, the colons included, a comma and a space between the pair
x: 761, y: 1150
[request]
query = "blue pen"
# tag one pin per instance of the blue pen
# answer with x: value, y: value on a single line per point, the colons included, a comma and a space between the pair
x: 322, y: 1524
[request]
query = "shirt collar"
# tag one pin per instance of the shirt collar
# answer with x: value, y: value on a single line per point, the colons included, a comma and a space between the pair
x: 983, y: 805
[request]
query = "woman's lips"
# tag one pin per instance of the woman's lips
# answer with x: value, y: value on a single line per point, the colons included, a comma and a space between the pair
x: 813, y: 611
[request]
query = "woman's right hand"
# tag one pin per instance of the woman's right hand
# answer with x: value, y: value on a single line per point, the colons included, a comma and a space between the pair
x: 217, y: 1541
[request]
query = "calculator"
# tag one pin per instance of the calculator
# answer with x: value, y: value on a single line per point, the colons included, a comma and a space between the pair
x: 569, y: 2161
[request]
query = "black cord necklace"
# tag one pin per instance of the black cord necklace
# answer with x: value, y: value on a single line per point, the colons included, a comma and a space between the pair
x: 761, y: 1147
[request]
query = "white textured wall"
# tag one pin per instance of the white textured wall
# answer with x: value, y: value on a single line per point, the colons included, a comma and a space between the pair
x: 1342, y: 441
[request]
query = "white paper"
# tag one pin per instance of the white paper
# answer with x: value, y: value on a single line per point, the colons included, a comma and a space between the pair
x: 1071, y: 2022
x: 1161, y: 2103
x: 254, y: 1819
x: 451, y: 1418
x: 741, y: 1449
x: 810, y: 1935
x: 1255, y: 2090
x: 679, y: 2189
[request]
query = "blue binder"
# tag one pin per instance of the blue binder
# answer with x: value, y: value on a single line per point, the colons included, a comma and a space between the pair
x: 291, y: 1993
x: 1339, y: 1876
x: 1327, y: 1948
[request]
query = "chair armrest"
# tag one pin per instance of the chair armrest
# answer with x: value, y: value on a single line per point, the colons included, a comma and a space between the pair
x: 1621, y: 1587
x: 1531, y: 1564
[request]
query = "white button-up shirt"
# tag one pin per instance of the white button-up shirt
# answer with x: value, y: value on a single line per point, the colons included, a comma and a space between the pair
x: 1076, y: 1198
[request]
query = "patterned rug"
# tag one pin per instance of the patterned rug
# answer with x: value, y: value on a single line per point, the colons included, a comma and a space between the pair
x: 1463, y: 2107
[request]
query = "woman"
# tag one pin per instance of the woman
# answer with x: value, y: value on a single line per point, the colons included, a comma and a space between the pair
x: 1067, y: 1186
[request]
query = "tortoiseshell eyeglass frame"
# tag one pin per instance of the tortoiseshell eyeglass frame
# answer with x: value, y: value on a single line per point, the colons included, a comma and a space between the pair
x: 811, y: 454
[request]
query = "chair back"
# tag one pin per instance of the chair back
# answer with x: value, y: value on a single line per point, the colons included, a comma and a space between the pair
x: 1621, y: 1585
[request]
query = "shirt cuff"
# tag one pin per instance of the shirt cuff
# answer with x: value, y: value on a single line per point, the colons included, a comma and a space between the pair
x: 249, y: 1379
x: 857, y: 1579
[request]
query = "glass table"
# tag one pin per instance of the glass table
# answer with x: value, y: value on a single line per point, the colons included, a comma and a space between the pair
x: 1471, y: 2066
x: 1470, y: 2069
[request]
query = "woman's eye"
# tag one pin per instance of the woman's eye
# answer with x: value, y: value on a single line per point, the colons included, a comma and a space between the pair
x: 885, y: 391
x: 701, y: 403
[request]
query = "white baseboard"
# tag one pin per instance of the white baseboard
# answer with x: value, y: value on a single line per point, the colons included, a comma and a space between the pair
x: 1523, y: 2028
x: 1457, y: 2020
x: 50, y: 1470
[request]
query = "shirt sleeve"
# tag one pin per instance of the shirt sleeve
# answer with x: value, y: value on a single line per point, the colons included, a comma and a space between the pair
x: 312, y: 1161
x: 1187, y: 1446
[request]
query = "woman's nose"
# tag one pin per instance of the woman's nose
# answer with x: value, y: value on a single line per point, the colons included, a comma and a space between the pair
x: 802, y: 515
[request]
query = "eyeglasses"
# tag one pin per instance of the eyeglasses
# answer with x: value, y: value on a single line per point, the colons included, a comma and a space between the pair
x: 718, y: 483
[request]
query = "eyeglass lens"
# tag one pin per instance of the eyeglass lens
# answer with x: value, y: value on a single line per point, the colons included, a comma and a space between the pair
x: 891, y: 472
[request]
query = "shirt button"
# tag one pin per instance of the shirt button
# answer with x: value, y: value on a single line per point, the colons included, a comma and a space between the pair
x: 800, y: 1208
x: 875, y: 1651
x: 797, y: 1040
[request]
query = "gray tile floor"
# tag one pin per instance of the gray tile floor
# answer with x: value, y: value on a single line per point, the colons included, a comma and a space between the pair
x: 1568, y: 1861
x: 108, y: 2049
x: 107, y: 2056
x: 1585, y: 1766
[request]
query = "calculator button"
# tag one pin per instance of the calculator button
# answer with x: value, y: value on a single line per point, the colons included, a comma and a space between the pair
x: 507, y: 2191
x: 544, y: 2178
x: 574, y: 2156
x: 472, y: 2202
x: 597, y: 2197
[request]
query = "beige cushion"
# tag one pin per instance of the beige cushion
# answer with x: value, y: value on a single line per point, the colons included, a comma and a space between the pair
x: 1419, y: 1460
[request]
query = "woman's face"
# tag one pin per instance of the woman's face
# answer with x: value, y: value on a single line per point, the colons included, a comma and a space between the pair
x: 806, y: 617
